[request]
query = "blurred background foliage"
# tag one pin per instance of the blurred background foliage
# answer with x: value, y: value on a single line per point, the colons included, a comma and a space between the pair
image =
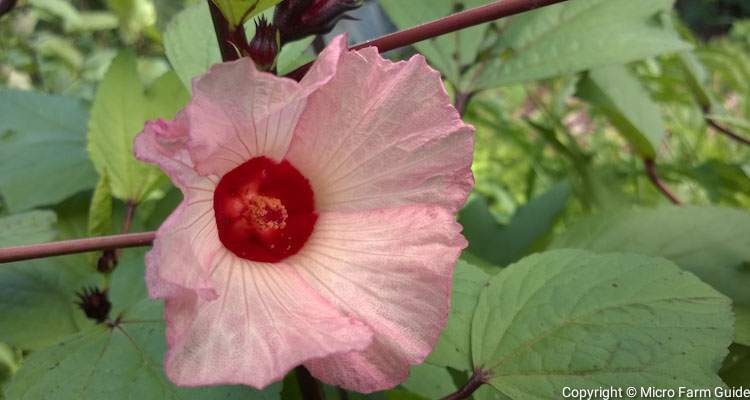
x: 551, y: 146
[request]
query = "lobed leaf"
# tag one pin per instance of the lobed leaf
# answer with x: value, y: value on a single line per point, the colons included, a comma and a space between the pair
x: 578, y: 319
x: 575, y: 36
x: 121, y: 107
x: 42, y: 140
x: 711, y: 242
x: 626, y: 103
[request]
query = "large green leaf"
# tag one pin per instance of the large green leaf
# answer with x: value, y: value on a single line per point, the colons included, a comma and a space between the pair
x: 121, y: 107
x: 37, y: 297
x: 575, y: 36
x: 239, y: 11
x: 190, y: 42
x: 503, y: 244
x: 27, y: 228
x: 627, y: 105
x: 711, y: 242
x: 100, y: 209
x: 37, y: 300
x: 42, y: 144
x: 124, y: 362
x: 453, y: 349
x: 447, y: 53
x: 578, y: 319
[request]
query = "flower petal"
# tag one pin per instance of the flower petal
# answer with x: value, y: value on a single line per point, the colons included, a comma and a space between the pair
x: 174, y: 262
x: 266, y: 321
x: 238, y: 113
x: 391, y: 268
x: 383, y: 134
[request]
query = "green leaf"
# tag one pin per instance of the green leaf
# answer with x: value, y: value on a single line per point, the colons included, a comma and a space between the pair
x: 578, y: 319
x: 100, y: 209
x: 292, y: 55
x: 37, y: 297
x: 27, y: 228
x: 42, y: 140
x: 120, y: 363
x: 742, y: 325
x: 190, y: 42
x: 504, y: 244
x: 575, y: 36
x: 724, y: 182
x: 9, y: 361
x: 448, y: 53
x: 627, y: 105
x: 239, y: 11
x: 453, y: 348
x: 736, y: 369
x: 429, y: 381
x: 697, y: 77
x: 711, y: 242
x: 121, y: 107
x: 37, y: 300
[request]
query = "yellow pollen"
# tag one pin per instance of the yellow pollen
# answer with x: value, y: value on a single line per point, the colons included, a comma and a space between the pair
x: 265, y: 212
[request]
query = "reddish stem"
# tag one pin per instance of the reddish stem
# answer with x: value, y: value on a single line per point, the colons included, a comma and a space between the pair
x: 452, y: 23
x: 726, y: 131
x: 478, y: 378
x: 654, y: 177
x: 28, y: 252
x: 309, y: 386
x: 223, y: 33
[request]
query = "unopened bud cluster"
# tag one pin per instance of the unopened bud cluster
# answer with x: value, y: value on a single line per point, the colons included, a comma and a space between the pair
x: 293, y: 20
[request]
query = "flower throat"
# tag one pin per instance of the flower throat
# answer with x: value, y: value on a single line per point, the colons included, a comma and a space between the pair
x: 265, y: 211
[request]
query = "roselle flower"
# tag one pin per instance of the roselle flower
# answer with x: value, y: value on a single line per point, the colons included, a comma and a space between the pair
x: 317, y: 225
x: 299, y: 18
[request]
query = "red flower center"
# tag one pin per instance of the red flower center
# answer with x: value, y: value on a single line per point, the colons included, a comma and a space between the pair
x: 265, y: 211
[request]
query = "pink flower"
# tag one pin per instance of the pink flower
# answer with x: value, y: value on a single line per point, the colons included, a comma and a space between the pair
x: 317, y: 225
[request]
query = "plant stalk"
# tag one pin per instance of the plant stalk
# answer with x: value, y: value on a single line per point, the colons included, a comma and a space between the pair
x: 451, y: 23
x: 650, y: 166
x: 478, y: 378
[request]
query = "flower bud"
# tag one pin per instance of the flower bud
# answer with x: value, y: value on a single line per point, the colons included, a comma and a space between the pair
x: 94, y: 303
x: 106, y: 262
x: 299, y: 18
x: 264, y: 47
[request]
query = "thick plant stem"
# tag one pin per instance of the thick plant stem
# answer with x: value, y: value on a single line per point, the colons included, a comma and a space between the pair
x: 129, y: 214
x: 452, y: 23
x: 654, y: 177
x: 726, y: 131
x: 309, y: 386
x: 31, y: 251
x: 462, y: 102
x: 478, y: 378
x: 223, y: 33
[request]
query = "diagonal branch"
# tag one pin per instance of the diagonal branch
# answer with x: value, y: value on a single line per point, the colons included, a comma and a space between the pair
x: 451, y: 23
x: 726, y: 131
x: 650, y: 166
